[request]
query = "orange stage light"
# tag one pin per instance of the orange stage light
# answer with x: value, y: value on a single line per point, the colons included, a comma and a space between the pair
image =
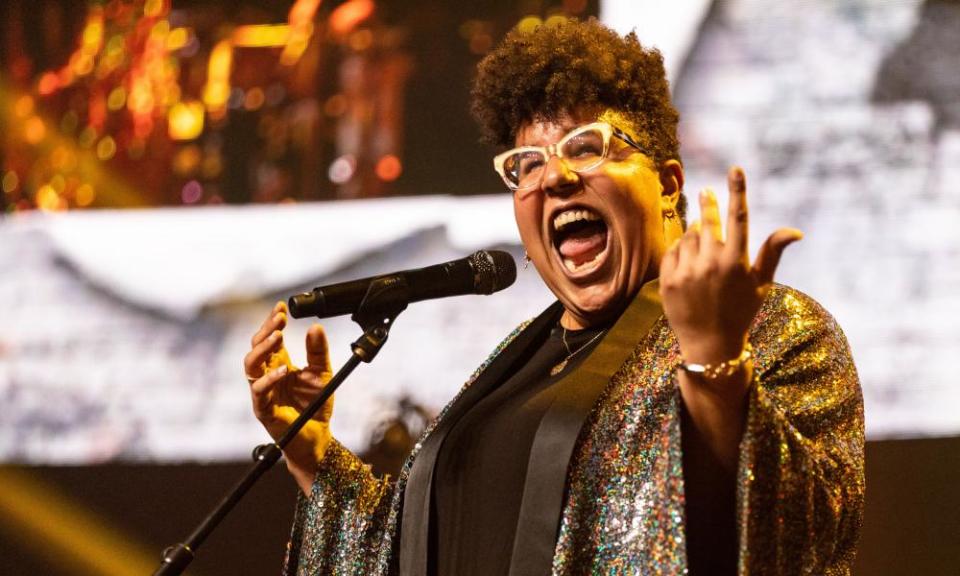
x: 347, y: 16
x: 106, y: 148
x: 185, y: 120
x: 48, y: 84
x: 85, y: 195
x: 389, y: 168
x: 177, y: 39
x: 261, y: 35
x: 34, y: 130
x: 217, y: 90
x: 48, y: 200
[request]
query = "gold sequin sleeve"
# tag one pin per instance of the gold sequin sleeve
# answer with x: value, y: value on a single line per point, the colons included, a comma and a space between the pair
x: 342, y: 526
x: 350, y: 524
x: 801, y: 485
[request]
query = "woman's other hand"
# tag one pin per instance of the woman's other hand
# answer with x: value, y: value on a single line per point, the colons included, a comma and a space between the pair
x: 280, y: 391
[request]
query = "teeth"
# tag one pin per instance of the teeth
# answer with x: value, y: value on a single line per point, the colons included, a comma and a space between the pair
x: 571, y: 216
x: 572, y: 266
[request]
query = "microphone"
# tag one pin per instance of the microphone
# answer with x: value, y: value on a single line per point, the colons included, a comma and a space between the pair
x: 482, y: 272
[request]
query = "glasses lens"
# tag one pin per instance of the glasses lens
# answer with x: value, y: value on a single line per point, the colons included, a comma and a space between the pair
x: 523, y: 169
x: 581, y: 150
x: 584, y: 150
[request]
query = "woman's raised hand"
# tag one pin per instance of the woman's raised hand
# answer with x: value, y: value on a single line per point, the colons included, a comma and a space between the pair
x: 710, y: 289
x: 710, y: 293
x: 280, y: 391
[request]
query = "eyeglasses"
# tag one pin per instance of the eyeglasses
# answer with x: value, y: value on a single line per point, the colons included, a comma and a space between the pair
x: 582, y: 149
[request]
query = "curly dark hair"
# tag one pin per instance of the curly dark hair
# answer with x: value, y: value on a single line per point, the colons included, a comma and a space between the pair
x: 551, y: 70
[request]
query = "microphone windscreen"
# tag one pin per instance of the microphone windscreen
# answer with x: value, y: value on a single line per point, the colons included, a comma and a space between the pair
x: 494, y: 270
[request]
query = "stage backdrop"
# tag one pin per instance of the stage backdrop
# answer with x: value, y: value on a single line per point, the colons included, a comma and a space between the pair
x: 122, y: 332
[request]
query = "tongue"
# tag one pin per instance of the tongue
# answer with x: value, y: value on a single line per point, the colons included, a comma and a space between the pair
x: 584, y: 245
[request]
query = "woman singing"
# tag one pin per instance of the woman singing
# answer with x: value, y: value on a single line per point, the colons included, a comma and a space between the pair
x: 673, y: 411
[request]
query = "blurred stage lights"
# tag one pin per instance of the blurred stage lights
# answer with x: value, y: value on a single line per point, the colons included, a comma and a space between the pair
x: 389, y: 168
x: 48, y: 200
x: 62, y: 159
x: 254, y: 99
x: 530, y: 23
x: 106, y: 148
x: 85, y: 195
x: 261, y: 35
x: 58, y: 183
x: 341, y: 170
x: 48, y: 84
x: 192, y: 192
x: 151, y: 94
x: 348, y: 15
x: 117, y: 98
x: 153, y: 8
x: 185, y: 120
x: 10, y: 182
x: 212, y: 166
x: 34, y: 130
x: 186, y: 161
x: 87, y: 137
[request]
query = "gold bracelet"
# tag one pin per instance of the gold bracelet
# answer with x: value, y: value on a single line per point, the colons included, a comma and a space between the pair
x: 724, y: 369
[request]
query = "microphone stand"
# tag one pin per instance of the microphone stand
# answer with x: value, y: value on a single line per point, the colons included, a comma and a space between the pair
x: 384, y: 301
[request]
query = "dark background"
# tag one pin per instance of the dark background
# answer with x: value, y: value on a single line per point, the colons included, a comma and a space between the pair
x: 911, y: 524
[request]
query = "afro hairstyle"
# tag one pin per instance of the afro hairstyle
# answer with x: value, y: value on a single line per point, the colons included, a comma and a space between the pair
x: 551, y: 70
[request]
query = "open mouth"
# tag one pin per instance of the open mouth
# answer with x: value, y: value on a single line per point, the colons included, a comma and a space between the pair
x: 580, y: 238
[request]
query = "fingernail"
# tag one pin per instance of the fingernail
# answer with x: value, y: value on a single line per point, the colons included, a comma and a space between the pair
x: 281, y: 370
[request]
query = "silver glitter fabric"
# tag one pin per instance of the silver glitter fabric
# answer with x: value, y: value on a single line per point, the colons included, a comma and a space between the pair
x: 800, y: 478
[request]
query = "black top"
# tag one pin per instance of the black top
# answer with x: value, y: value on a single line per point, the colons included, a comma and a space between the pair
x: 482, y: 464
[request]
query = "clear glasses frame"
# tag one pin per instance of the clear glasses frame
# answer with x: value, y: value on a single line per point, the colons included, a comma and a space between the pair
x: 501, y: 160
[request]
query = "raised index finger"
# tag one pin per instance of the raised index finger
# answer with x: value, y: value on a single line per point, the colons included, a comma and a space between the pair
x: 737, y: 215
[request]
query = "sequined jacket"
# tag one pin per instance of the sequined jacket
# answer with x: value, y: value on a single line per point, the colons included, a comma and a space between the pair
x: 620, y: 501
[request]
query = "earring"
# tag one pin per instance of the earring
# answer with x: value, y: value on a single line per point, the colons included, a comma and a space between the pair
x: 526, y: 260
x: 668, y: 215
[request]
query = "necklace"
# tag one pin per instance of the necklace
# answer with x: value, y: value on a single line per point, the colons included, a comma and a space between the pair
x: 563, y: 363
